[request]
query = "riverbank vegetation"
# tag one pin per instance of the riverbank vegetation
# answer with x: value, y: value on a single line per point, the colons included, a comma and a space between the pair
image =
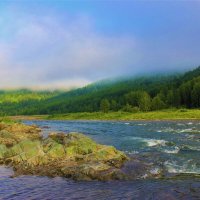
x: 168, y: 114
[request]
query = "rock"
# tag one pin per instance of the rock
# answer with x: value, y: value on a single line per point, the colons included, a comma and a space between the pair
x: 72, y: 155
x: 11, y: 134
x: 7, y: 138
x: 3, y: 149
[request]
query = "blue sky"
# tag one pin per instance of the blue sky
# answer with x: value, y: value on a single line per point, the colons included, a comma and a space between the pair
x: 65, y: 43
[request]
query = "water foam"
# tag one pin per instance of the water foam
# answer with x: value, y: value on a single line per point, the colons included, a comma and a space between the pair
x: 141, y: 124
x: 172, y: 151
x: 179, y: 124
x: 131, y: 152
x: 189, y: 148
x: 174, y: 167
x: 171, y: 130
x: 154, y: 142
x: 149, y: 142
x: 155, y: 171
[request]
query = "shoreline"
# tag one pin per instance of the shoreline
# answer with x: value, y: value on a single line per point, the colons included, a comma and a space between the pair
x: 164, y: 115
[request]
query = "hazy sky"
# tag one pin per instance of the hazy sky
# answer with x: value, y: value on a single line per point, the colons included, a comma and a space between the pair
x: 64, y: 43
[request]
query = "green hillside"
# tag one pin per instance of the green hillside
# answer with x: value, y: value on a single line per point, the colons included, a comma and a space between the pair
x: 15, y: 101
x: 16, y: 96
x: 127, y: 94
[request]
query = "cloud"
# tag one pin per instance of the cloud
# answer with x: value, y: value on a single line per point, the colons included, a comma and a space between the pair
x: 46, y: 49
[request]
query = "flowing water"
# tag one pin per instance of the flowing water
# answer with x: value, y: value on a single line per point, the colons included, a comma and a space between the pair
x: 168, y: 147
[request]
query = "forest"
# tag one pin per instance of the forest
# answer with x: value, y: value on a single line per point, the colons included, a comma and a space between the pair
x: 130, y: 94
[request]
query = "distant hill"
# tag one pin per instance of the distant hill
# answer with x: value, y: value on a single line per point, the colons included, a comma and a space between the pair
x: 128, y: 94
x: 14, y: 101
x: 16, y: 96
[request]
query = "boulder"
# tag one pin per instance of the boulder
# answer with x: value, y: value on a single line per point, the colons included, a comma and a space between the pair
x: 72, y: 155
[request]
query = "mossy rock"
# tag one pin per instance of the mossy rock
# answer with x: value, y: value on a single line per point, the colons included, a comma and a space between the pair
x: 19, y: 131
x: 3, y: 149
x: 7, y: 138
x: 108, y: 154
x: 53, y: 147
x: 77, y: 143
x: 26, y: 151
x: 73, y: 143
x: 71, y: 155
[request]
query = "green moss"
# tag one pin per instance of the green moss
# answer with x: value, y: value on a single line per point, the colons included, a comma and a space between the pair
x: 56, y: 151
x: 3, y: 149
x: 79, y: 156
x: 25, y: 149
x: 77, y: 143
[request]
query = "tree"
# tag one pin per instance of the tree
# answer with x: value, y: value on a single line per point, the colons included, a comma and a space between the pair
x: 113, y: 105
x: 173, y: 98
x: 196, y: 95
x: 129, y: 108
x: 105, y: 105
x: 145, y: 102
x: 132, y: 98
x: 157, y: 103
x: 185, y: 92
x: 162, y: 94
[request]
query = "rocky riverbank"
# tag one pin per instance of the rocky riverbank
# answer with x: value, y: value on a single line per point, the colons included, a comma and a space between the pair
x: 72, y: 155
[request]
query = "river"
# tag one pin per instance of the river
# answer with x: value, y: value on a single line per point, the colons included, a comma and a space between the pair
x: 172, y: 147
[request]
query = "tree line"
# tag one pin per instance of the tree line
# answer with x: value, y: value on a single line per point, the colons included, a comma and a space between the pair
x: 128, y: 95
x: 185, y: 96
